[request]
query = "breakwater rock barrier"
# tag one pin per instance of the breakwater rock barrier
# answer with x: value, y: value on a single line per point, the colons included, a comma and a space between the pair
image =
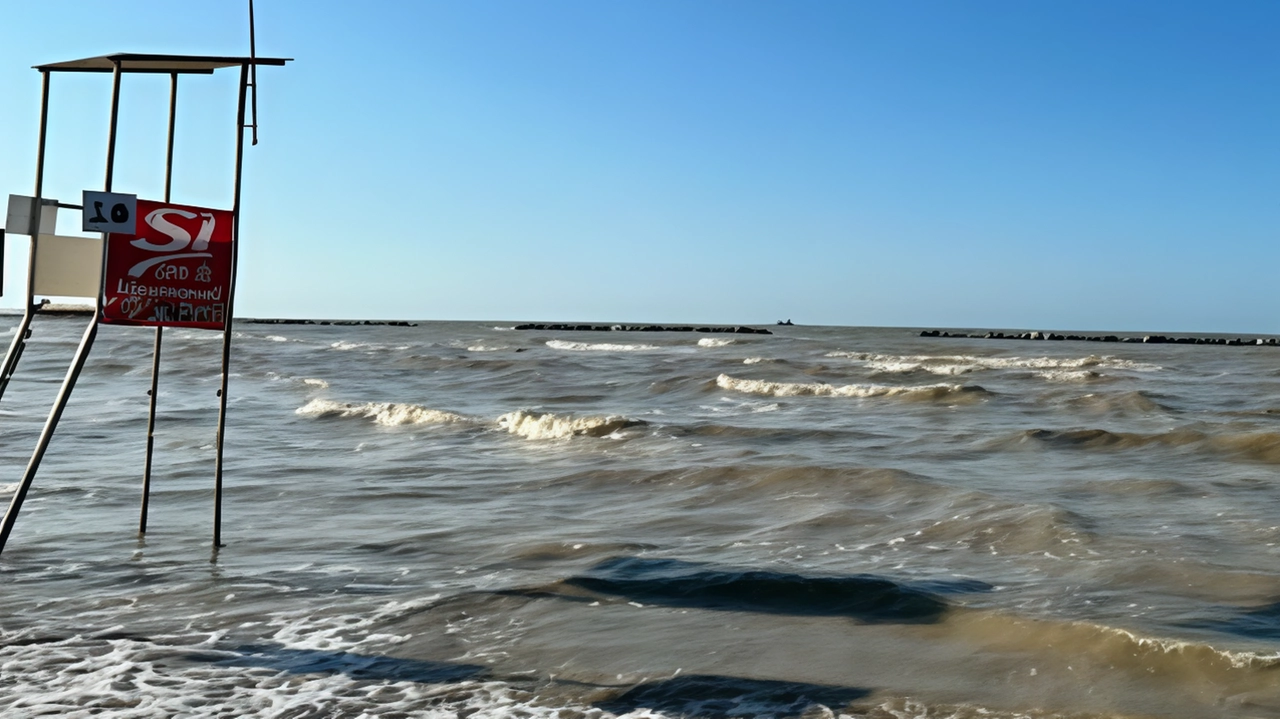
x: 1144, y: 339
x: 643, y: 328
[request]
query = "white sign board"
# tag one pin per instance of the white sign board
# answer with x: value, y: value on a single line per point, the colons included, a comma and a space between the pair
x: 68, y: 266
x: 20, y: 219
x: 110, y: 212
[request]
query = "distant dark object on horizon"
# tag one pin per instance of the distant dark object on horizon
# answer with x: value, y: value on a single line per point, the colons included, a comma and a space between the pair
x: 788, y: 323
x: 1146, y: 339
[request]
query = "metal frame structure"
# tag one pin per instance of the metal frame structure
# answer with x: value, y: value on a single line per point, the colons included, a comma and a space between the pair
x: 118, y: 65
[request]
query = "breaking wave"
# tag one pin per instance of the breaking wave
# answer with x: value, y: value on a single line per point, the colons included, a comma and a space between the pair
x: 1070, y: 375
x: 523, y: 423
x: 384, y: 413
x: 544, y: 425
x: 598, y: 347
x: 347, y: 346
x: 715, y: 342
x: 816, y: 389
x: 951, y: 365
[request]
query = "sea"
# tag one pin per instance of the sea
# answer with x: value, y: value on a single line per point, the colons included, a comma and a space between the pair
x: 462, y: 519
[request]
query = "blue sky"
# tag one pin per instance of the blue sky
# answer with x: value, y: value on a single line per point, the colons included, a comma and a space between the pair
x: 1065, y: 165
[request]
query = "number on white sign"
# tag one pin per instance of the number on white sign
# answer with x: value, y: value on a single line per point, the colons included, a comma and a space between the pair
x: 119, y: 212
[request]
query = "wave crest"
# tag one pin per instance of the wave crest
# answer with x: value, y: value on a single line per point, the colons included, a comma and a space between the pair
x: 815, y: 389
x: 545, y: 425
x: 384, y: 413
x: 1070, y: 375
x: 951, y: 365
x: 597, y: 347
x: 1256, y: 446
x: 1132, y: 402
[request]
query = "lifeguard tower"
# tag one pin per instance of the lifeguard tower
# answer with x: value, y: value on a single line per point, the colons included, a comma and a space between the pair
x: 155, y: 264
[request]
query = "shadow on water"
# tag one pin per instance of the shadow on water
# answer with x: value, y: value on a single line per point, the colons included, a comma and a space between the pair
x: 676, y: 583
x: 356, y: 666
x: 1255, y: 622
x: 720, y: 697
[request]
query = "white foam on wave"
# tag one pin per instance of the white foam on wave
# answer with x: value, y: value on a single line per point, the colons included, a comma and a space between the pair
x: 313, y: 382
x: 816, y: 389
x: 348, y: 346
x: 716, y: 342
x: 325, y: 671
x: 524, y: 423
x: 340, y: 665
x: 1069, y: 375
x: 385, y: 413
x: 597, y: 347
x: 199, y: 335
x: 544, y: 425
x: 895, y: 367
x: 486, y: 348
x: 960, y: 364
x: 305, y: 665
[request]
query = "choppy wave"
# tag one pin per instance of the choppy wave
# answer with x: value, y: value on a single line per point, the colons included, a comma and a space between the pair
x: 344, y: 345
x: 124, y: 675
x: 1064, y: 653
x: 1133, y: 402
x: 348, y: 346
x: 1070, y: 375
x: 715, y: 342
x: 1119, y: 649
x: 897, y: 508
x: 816, y: 389
x: 385, y: 413
x: 1130, y: 541
x: 545, y: 425
x: 597, y: 347
x: 524, y: 423
x: 1141, y: 487
x: 962, y: 364
x: 1257, y: 446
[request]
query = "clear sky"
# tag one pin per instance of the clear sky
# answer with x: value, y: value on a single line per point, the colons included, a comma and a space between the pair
x: 1059, y: 164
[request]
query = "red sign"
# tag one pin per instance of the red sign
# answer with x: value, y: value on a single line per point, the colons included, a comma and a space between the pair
x: 176, y: 272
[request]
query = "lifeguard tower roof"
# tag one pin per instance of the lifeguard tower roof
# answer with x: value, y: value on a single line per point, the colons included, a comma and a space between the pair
x: 140, y: 62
